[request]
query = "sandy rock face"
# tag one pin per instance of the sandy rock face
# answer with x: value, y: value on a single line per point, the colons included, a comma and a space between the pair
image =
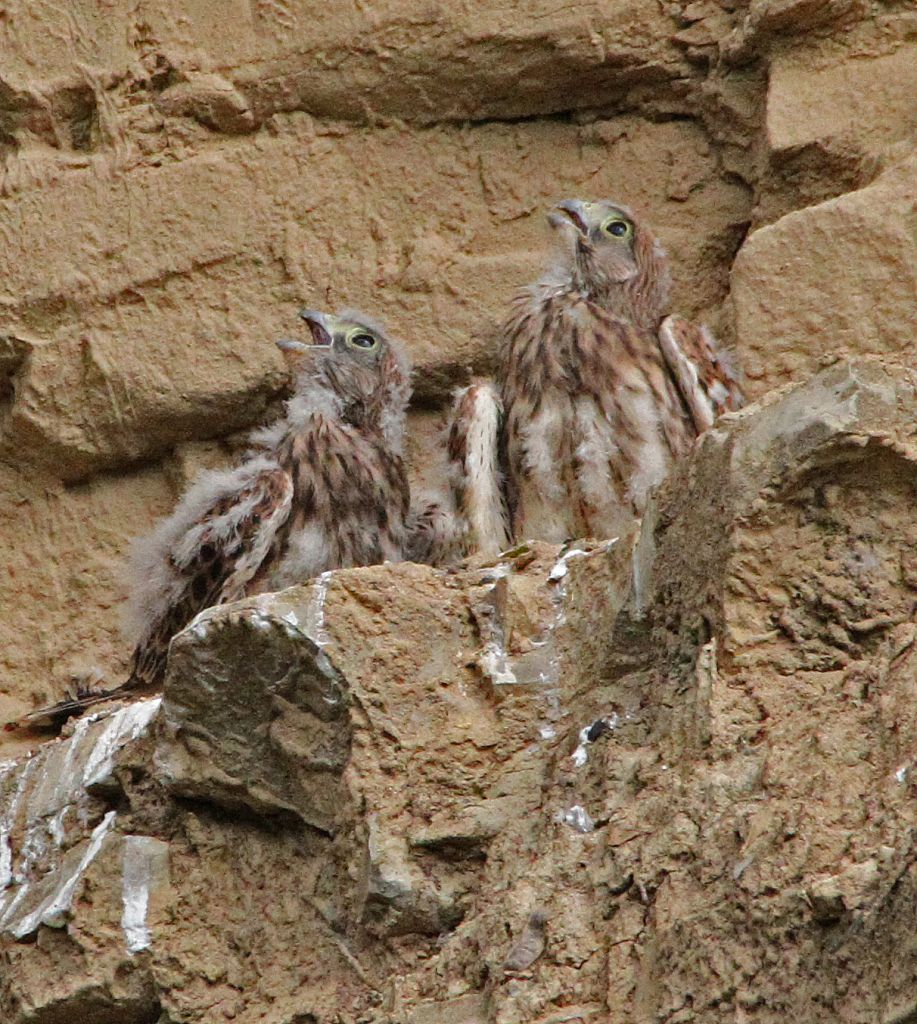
x: 613, y: 781
x: 664, y: 780
x: 839, y: 277
x: 175, y: 182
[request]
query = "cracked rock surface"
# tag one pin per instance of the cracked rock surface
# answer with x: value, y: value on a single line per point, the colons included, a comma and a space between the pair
x: 667, y: 777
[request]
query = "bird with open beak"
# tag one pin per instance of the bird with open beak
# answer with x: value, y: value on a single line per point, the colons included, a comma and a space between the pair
x: 599, y: 390
x: 324, y: 487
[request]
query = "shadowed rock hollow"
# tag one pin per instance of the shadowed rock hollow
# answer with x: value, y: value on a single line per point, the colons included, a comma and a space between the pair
x: 663, y: 782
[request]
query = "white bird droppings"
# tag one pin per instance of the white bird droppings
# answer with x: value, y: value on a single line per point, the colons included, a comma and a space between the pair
x: 137, y: 871
x: 315, y: 616
x: 560, y: 566
x: 495, y: 664
x: 577, y: 818
x: 589, y: 734
x: 125, y: 725
x: 54, y: 909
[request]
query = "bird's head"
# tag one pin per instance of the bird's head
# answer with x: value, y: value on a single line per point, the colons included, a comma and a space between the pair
x: 352, y: 358
x: 614, y: 259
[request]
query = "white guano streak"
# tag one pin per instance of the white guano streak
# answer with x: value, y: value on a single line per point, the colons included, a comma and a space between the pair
x: 315, y: 616
x: 125, y: 725
x: 577, y: 817
x: 8, y: 822
x: 52, y: 909
x: 136, y: 872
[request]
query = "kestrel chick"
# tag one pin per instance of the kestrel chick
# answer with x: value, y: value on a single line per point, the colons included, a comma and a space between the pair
x: 323, y: 488
x: 327, y: 489
x: 601, y: 389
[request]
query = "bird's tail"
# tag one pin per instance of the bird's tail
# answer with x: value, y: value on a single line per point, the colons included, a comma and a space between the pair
x: 475, y: 473
x: 54, y: 716
x: 147, y: 669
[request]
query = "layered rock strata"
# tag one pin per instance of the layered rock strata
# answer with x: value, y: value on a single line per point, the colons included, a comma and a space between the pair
x: 177, y: 179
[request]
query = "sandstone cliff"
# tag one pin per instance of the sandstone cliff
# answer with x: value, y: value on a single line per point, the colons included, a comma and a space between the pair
x: 671, y: 783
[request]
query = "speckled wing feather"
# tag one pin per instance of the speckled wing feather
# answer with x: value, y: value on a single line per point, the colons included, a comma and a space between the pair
x: 212, y: 561
x: 593, y: 417
x: 705, y: 375
x: 202, y: 555
x: 475, y: 474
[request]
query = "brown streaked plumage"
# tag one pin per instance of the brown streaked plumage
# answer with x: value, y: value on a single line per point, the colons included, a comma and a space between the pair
x: 475, y: 477
x: 323, y: 488
x: 601, y: 389
x: 442, y: 530
x: 434, y: 533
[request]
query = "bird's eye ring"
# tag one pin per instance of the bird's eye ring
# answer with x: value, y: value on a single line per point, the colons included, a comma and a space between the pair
x: 362, y: 340
x: 617, y: 227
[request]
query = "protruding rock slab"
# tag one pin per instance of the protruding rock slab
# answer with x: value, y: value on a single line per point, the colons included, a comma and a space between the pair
x: 257, y: 714
x: 403, y: 710
x: 868, y: 101
x: 52, y: 825
x: 835, y: 279
x: 72, y: 879
x: 781, y: 710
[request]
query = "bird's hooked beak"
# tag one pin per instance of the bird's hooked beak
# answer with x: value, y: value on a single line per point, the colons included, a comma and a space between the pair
x: 570, y: 212
x: 321, y: 334
x: 319, y: 326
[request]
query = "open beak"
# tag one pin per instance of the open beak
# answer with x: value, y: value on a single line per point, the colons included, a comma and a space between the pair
x: 567, y: 212
x: 289, y: 346
x: 319, y: 326
x: 320, y: 330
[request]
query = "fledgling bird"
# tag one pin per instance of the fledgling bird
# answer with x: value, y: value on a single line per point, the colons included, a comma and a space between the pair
x: 323, y: 488
x: 327, y: 489
x: 601, y: 390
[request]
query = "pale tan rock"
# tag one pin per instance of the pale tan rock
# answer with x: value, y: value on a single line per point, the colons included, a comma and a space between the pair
x: 442, y: 63
x: 833, y: 280
x: 869, y: 99
x: 62, y: 588
x: 210, y: 99
x: 765, y: 20
x: 176, y: 297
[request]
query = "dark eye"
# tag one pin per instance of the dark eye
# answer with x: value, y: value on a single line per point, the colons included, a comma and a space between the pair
x: 618, y: 228
x: 364, y: 341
